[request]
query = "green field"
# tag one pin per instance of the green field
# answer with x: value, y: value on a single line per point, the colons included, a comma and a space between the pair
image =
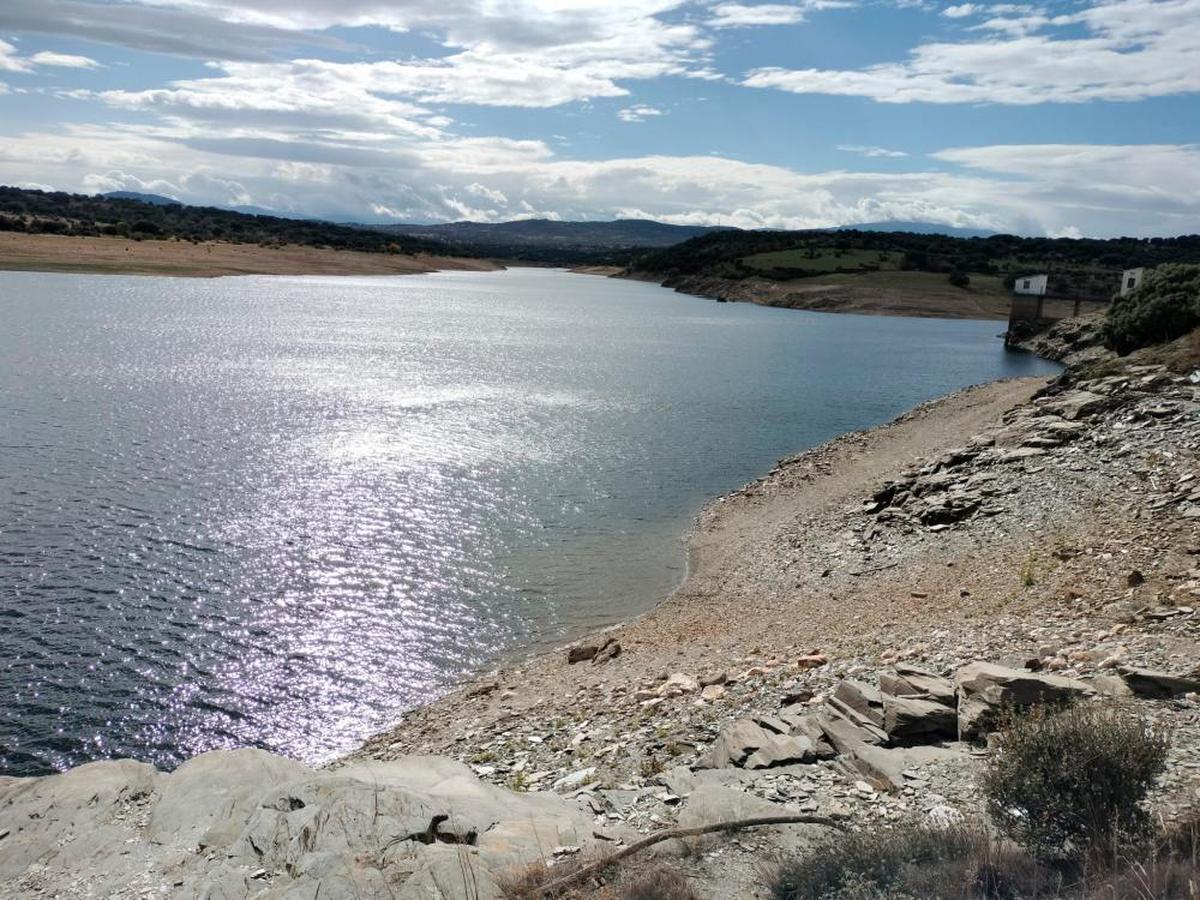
x: 822, y: 259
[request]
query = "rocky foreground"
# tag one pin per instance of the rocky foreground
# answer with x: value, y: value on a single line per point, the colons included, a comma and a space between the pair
x: 849, y: 629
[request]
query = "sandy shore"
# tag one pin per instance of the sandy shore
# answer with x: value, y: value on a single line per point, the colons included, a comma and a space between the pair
x: 121, y: 256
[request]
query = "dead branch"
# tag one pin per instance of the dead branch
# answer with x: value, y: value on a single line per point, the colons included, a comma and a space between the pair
x: 591, y: 869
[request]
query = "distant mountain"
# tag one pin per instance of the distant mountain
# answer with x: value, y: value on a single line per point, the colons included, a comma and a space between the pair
x: 153, y: 199
x: 549, y: 233
x: 918, y: 228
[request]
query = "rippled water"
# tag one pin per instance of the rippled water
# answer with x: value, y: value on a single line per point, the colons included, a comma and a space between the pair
x: 279, y: 511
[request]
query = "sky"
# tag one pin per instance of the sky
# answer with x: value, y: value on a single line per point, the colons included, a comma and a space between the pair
x: 1059, y: 118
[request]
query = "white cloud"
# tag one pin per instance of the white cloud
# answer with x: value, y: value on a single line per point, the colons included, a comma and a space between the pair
x: 1036, y: 188
x: 10, y: 61
x: 961, y: 10
x: 871, y: 151
x: 639, y: 113
x: 742, y: 15
x: 1132, y: 49
x: 63, y: 60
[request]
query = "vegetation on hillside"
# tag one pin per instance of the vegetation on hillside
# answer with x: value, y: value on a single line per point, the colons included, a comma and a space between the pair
x: 1067, y: 786
x: 41, y: 212
x: 1166, y: 306
x: 1085, y: 268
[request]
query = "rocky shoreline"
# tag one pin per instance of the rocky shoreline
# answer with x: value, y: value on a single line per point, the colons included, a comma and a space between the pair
x: 848, y: 625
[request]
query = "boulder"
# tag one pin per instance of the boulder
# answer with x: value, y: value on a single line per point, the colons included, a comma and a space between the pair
x: 746, y: 744
x: 914, y: 720
x: 1157, y: 685
x: 781, y: 750
x: 581, y: 653
x: 908, y: 680
x: 1073, y: 405
x: 801, y: 721
x: 984, y: 689
x: 677, y: 684
x: 861, y: 699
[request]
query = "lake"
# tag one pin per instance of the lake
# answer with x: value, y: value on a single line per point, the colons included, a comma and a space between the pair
x: 280, y: 511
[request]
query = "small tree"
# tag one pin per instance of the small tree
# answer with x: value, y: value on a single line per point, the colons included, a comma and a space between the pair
x: 1164, y: 307
x: 1066, y: 782
x: 959, y: 279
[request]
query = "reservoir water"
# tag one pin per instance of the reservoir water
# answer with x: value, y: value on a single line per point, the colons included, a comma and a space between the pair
x: 280, y: 511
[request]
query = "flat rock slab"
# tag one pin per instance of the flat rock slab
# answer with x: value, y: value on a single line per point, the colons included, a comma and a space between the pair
x: 984, y: 689
x: 251, y: 824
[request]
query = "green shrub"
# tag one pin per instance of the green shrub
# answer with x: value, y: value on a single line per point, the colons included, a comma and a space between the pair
x: 1067, y: 783
x: 1166, y: 306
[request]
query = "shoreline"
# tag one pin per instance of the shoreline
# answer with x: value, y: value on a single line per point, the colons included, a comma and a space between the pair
x: 705, y: 550
x: 182, y: 259
x: 906, y: 294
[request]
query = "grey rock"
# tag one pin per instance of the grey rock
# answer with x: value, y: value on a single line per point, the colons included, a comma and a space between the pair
x: 913, y: 681
x: 416, y: 827
x: 1157, y: 685
x: 984, y: 689
x: 916, y: 720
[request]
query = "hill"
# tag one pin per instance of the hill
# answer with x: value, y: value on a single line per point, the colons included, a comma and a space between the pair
x: 621, y: 233
x: 55, y: 212
x: 1086, y: 269
x: 152, y: 199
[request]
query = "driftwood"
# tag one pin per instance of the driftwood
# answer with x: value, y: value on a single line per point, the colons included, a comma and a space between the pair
x: 582, y: 874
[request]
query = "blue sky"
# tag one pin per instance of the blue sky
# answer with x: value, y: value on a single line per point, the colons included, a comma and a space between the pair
x: 1076, y: 118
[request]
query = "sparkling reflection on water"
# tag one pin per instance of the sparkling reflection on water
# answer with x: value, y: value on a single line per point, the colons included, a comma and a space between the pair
x: 279, y: 511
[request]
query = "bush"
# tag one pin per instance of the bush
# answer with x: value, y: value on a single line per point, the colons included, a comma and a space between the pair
x: 912, y: 861
x: 1066, y: 783
x: 959, y: 279
x: 1166, y: 306
x: 659, y: 883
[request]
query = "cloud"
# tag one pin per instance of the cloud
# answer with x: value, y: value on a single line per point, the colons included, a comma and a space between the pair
x: 639, y: 113
x: 1101, y: 190
x: 1130, y: 50
x: 871, y: 151
x: 10, y: 61
x: 63, y: 60
x: 961, y: 10
x: 741, y: 15
x: 180, y: 32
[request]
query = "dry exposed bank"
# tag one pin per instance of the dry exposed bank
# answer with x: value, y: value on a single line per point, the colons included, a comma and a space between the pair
x: 921, y: 294
x: 1053, y: 528
x: 122, y: 256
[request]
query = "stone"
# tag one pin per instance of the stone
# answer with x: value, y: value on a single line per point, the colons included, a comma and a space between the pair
x: 1073, y: 405
x: 913, y: 681
x: 803, y: 721
x: 984, y: 689
x: 712, y: 692
x: 610, y: 649
x: 1157, y: 685
x: 910, y: 720
x: 863, y: 699
x: 677, y: 684
x: 734, y: 745
x: 781, y: 750
x: 812, y: 661
x: 581, y: 653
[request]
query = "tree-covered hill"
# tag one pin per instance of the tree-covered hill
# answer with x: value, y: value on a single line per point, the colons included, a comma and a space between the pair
x: 43, y: 212
x: 1087, y: 268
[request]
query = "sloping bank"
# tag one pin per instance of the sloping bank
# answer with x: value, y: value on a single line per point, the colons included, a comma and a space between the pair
x: 919, y: 294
